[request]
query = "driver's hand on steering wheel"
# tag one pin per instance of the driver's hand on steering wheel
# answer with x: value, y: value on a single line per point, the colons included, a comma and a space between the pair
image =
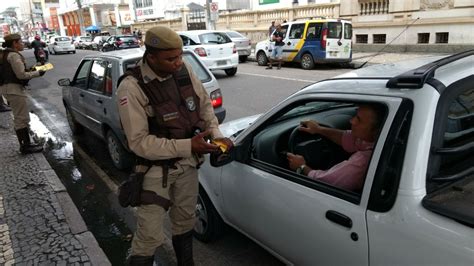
x: 309, y: 126
x: 294, y: 160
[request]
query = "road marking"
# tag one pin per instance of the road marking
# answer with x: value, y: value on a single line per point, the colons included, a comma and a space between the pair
x: 276, y: 77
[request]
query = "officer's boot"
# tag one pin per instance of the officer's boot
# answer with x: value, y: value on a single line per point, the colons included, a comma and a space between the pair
x: 183, y: 247
x: 140, y: 261
x: 25, y: 143
x: 3, y: 106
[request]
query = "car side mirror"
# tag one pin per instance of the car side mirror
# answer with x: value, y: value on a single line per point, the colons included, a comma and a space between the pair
x: 64, y: 82
x: 218, y: 159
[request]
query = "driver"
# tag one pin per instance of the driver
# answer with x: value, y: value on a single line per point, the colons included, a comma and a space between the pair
x: 359, y: 141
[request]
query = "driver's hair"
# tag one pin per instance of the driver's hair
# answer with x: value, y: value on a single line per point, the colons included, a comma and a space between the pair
x: 379, y: 111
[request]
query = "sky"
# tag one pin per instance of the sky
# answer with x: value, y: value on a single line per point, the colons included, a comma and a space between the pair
x: 5, y: 3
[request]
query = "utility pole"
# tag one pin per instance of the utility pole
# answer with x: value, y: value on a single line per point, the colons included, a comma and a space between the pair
x: 81, y: 19
x: 31, y: 15
x: 208, y: 15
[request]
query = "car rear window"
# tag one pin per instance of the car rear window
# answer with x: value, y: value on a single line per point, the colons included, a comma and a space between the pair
x: 214, y: 38
x: 62, y: 39
x: 127, y: 38
x: 334, y: 29
x: 234, y: 34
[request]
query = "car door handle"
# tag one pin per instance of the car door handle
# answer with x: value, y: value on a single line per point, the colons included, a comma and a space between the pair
x: 339, y: 218
x: 99, y: 101
x: 289, y: 43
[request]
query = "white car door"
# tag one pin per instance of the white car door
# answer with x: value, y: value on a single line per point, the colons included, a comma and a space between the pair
x: 306, y: 222
x: 294, y: 40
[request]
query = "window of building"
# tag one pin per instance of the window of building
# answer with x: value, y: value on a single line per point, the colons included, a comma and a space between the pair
x: 362, y: 38
x: 423, y: 37
x: 442, y: 37
x: 380, y: 38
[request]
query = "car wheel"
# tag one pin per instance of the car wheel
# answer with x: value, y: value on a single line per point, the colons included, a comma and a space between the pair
x: 307, y: 62
x: 209, y: 225
x: 243, y: 58
x: 73, y: 52
x: 76, y: 128
x: 262, y: 59
x: 121, y: 158
x: 51, y: 52
x: 231, y: 71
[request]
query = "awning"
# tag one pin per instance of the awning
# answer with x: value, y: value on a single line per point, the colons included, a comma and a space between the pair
x: 93, y: 28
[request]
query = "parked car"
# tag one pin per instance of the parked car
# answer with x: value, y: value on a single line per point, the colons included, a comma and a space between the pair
x: 90, y: 98
x: 215, y: 49
x: 416, y: 204
x: 98, y: 42
x: 242, y: 43
x: 118, y: 42
x: 26, y: 42
x: 310, y: 42
x: 61, y: 44
x: 83, y: 42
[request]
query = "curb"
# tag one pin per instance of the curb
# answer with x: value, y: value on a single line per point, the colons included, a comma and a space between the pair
x: 72, y: 215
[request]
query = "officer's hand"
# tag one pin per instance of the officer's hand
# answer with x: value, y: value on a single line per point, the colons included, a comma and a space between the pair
x: 200, y: 146
x: 41, y: 72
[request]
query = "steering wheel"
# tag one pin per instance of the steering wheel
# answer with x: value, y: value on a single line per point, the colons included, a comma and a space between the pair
x: 318, y: 152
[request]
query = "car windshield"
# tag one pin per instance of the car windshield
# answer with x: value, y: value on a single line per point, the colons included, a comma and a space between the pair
x: 311, y: 107
x: 214, y: 38
x: 234, y: 34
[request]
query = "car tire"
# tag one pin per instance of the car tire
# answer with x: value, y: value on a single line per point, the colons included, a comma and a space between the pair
x: 209, y: 225
x: 231, y: 71
x: 262, y: 59
x: 121, y: 158
x: 51, y: 52
x: 75, y: 127
x: 307, y: 62
x: 243, y: 58
x: 73, y: 52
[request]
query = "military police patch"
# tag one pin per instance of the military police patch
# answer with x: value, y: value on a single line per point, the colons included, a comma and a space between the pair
x: 155, y: 41
x: 190, y: 104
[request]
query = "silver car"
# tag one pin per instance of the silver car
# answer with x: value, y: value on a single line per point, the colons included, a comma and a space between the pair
x: 242, y: 43
x: 89, y: 98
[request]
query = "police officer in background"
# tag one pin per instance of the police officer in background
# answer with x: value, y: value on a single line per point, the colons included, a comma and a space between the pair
x: 13, y: 81
x: 166, y: 113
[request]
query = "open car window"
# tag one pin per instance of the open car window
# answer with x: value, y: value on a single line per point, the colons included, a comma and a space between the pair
x: 281, y: 135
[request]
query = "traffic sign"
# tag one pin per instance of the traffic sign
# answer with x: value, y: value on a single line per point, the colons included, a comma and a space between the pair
x: 214, y: 7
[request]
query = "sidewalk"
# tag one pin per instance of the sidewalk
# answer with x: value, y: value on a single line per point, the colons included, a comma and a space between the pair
x: 39, y: 223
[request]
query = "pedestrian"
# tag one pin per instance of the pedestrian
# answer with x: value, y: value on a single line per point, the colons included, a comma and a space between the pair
x: 166, y: 113
x: 277, y: 51
x: 12, y: 85
x: 271, y: 29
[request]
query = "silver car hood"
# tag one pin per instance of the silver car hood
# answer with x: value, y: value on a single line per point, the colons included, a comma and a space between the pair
x: 231, y: 127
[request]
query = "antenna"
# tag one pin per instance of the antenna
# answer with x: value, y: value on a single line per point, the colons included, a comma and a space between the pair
x: 385, y: 46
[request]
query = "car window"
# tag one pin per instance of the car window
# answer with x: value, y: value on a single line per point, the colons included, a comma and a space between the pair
x: 80, y: 80
x: 281, y: 135
x: 314, y: 31
x: 197, y: 67
x: 62, y: 39
x: 214, y: 38
x: 234, y: 34
x: 97, y: 76
x: 347, y: 31
x: 334, y: 30
x: 187, y: 41
x: 284, y: 29
x: 296, y: 31
x: 127, y: 39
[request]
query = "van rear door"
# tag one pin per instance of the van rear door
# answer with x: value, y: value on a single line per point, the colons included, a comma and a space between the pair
x: 338, y: 41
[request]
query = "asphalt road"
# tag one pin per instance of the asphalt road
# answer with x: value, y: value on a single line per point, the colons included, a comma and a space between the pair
x: 253, y: 90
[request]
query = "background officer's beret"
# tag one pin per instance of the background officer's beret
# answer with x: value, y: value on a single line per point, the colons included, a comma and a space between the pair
x: 11, y: 37
x: 163, y: 38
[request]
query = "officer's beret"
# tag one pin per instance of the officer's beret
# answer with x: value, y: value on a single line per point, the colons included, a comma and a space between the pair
x: 163, y: 38
x: 11, y: 37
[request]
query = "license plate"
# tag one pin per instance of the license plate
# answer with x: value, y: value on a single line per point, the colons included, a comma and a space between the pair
x: 221, y: 62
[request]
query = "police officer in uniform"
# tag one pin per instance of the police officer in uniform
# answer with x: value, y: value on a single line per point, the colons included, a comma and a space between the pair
x: 166, y: 114
x: 14, y: 79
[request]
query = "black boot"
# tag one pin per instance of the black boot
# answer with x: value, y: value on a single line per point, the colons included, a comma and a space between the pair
x: 25, y: 143
x: 140, y: 261
x: 4, y: 107
x: 183, y: 247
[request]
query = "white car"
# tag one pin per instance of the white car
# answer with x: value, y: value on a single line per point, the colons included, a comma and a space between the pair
x: 416, y: 203
x: 61, y: 44
x: 214, y: 48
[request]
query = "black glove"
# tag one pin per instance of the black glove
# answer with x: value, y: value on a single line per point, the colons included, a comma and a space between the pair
x: 42, y: 72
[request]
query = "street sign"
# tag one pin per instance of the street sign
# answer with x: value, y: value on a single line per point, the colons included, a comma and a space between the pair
x: 214, y: 7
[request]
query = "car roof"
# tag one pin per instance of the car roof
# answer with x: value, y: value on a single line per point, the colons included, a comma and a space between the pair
x: 124, y: 54
x: 198, y: 32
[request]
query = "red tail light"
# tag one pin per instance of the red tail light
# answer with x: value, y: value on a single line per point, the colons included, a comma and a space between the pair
x: 324, y: 35
x: 119, y: 43
x: 216, y: 98
x: 200, y: 51
x: 234, y: 49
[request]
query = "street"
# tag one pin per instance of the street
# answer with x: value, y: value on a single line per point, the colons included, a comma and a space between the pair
x: 253, y: 90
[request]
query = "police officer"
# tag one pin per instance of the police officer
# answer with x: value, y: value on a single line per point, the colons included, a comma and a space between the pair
x: 14, y: 79
x: 166, y: 113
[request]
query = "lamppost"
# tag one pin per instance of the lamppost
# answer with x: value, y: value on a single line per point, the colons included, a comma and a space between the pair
x: 81, y: 18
